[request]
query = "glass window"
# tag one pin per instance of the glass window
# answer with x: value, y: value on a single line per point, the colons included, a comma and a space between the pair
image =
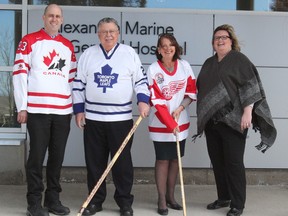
x: 256, y: 5
x: 111, y: 3
x: 8, y: 113
x: 10, y: 36
x: 10, y: 2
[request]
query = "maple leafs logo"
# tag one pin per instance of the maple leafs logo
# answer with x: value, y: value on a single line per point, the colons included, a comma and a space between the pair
x: 53, y: 61
x: 105, y: 79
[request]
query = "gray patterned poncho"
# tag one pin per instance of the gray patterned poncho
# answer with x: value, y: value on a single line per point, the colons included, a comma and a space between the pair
x: 225, y: 88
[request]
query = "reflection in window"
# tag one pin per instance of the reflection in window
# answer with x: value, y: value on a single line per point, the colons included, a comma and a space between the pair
x: 10, y: 2
x: 256, y: 5
x: 10, y: 35
x: 8, y: 113
x: 110, y: 3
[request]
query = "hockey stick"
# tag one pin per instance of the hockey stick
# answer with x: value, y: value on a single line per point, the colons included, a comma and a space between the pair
x: 181, y: 174
x: 104, y: 175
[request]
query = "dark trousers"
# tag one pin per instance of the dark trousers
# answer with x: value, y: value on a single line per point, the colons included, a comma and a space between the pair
x: 50, y: 132
x: 226, y: 151
x: 100, y: 140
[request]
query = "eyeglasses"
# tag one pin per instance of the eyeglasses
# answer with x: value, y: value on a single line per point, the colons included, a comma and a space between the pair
x: 111, y: 32
x: 223, y: 37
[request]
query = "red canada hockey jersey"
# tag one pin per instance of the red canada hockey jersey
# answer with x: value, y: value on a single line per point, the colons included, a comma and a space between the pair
x: 43, y: 72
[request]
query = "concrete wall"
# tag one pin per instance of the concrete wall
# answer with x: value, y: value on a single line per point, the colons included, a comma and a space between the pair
x: 192, y: 176
x: 12, y: 163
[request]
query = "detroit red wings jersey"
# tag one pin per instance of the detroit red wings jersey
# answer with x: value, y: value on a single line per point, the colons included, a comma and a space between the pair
x: 43, y: 72
x: 168, y: 90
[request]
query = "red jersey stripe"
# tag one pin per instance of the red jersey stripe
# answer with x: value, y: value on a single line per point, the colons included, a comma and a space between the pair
x: 166, y: 130
x: 38, y: 94
x: 19, y: 72
x: 50, y: 106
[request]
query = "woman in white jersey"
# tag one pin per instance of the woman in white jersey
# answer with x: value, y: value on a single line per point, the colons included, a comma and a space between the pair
x: 172, y: 84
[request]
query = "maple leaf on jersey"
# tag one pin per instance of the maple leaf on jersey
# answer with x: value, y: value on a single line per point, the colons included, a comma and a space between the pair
x: 48, y: 59
x: 106, y: 79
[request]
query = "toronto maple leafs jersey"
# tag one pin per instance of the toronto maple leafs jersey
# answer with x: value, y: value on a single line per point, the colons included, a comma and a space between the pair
x: 43, y: 72
x: 104, y: 84
x: 168, y: 90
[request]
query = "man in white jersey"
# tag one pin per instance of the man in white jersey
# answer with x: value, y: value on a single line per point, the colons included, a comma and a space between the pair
x: 44, y: 68
x: 107, y: 75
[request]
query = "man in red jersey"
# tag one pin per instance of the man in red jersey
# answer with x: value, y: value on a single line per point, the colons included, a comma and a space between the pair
x: 44, y: 69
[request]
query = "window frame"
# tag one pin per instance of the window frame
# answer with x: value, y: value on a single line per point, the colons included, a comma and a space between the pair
x: 8, y: 136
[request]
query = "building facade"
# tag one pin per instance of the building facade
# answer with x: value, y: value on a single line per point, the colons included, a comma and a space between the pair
x: 266, y: 47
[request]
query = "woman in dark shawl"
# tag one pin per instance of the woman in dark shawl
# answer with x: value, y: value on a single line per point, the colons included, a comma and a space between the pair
x: 230, y: 100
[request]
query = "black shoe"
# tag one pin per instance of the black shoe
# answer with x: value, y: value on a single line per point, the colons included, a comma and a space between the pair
x: 126, y: 211
x: 162, y: 211
x: 235, y: 212
x: 57, y: 208
x: 92, y: 209
x: 218, y: 204
x: 37, y: 210
x: 175, y: 206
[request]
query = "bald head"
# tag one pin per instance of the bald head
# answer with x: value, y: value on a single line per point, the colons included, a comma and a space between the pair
x: 52, y: 19
x: 47, y: 8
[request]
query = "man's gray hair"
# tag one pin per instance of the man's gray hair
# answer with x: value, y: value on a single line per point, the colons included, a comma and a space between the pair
x: 108, y: 20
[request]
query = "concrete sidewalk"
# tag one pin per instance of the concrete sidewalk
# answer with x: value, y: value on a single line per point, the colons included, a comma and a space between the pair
x: 261, y: 200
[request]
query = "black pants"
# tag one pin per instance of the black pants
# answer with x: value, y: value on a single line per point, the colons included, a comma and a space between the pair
x: 226, y: 151
x: 46, y: 131
x: 100, y: 140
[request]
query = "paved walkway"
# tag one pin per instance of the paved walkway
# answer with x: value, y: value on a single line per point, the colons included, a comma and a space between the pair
x: 261, y: 200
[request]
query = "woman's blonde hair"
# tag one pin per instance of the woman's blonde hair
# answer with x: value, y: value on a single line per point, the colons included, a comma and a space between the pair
x: 230, y: 30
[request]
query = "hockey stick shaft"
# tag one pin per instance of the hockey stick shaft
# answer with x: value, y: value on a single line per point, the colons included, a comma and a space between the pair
x: 181, y: 175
